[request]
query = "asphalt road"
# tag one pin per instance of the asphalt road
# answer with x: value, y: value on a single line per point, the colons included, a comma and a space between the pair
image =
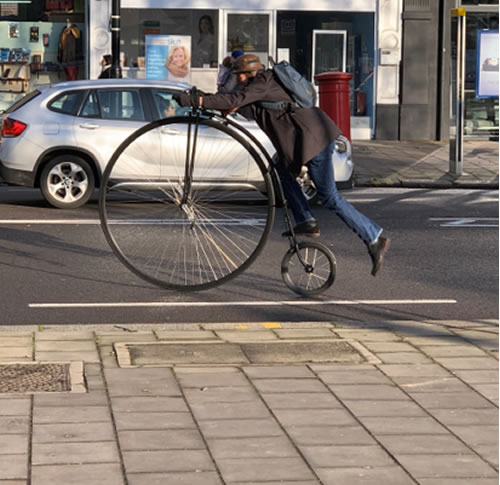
x: 56, y: 267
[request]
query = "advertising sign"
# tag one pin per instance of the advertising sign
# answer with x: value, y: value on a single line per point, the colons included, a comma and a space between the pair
x: 168, y: 57
x: 487, y: 64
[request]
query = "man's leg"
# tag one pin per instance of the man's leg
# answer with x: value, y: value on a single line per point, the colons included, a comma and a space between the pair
x: 295, y: 198
x: 320, y: 169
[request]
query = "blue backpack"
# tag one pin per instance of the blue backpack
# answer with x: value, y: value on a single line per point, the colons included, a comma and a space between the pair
x: 297, y: 86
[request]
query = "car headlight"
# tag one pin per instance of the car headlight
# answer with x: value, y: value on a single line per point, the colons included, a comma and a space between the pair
x: 341, y: 146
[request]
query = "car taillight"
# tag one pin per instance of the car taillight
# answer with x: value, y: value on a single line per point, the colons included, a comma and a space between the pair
x: 12, y: 128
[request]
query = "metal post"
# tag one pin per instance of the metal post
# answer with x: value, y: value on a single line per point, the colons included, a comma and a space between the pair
x: 458, y: 92
x: 115, y: 71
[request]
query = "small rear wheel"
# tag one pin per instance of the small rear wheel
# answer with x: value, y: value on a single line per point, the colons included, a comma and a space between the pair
x: 313, y: 272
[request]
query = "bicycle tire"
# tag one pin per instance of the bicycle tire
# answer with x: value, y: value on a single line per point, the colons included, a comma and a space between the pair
x: 192, y: 244
x: 321, y: 273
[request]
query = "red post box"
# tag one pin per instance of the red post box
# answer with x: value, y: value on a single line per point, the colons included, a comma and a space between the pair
x: 334, y: 98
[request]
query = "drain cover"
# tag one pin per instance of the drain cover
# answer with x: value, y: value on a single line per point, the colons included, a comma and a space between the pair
x: 165, y: 353
x: 37, y: 377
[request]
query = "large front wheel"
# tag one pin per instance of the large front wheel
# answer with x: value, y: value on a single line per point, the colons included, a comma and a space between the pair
x: 186, y: 206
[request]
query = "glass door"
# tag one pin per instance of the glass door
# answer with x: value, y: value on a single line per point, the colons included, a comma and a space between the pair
x: 249, y: 31
x: 329, y: 51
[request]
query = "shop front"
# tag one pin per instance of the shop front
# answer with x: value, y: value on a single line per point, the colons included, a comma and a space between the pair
x: 42, y: 41
x: 481, y: 107
x: 331, y: 35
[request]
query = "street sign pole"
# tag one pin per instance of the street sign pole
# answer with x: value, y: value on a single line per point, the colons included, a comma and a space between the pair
x: 115, y: 71
x: 457, y: 91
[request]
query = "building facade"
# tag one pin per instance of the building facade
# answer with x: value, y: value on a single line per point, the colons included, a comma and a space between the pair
x: 398, y: 51
x: 362, y: 37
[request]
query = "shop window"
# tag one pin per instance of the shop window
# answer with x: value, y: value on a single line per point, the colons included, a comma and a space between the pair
x: 66, y: 103
x: 201, y: 25
x: 249, y: 33
x: 120, y: 104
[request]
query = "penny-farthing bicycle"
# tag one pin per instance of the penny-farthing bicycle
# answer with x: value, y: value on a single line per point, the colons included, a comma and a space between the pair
x: 187, y: 203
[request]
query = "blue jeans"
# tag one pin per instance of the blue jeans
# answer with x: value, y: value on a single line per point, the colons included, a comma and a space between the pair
x: 320, y: 169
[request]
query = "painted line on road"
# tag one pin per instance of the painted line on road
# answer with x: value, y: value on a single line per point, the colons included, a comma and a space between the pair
x: 466, y: 221
x: 50, y: 221
x: 191, y: 304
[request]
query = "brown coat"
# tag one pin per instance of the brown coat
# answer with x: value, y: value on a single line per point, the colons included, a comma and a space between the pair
x: 298, y: 135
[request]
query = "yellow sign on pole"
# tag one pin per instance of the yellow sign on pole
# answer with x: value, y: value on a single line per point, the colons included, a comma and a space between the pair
x: 458, y: 12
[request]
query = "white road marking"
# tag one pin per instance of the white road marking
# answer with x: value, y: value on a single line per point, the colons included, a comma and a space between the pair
x: 466, y: 221
x: 50, y: 221
x: 191, y: 304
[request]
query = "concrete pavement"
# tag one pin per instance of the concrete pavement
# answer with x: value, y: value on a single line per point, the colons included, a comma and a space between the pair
x: 424, y: 164
x: 411, y: 403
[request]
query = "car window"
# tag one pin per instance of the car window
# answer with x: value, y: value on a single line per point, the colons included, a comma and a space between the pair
x: 66, y: 103
x: 121, y: 104
x: 90, y: 108
x: 165, y: 105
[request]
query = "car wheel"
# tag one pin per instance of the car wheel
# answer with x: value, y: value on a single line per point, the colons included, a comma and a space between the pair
x: 67, y: 182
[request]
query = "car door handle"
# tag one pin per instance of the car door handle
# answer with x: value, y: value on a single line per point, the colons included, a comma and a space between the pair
x: 89, y: 126
x: 170, y: 131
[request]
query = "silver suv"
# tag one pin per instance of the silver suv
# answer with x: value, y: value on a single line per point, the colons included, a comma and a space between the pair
x: 60, y: 137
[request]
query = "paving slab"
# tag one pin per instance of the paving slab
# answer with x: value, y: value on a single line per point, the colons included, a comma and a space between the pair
x: 141, y: 382
x: 381, y: 392
x: 384, y: 408
x: 364, y: 476
x: 73, y: 432
x: 330, y: 434
x: 288, y: 385
x: 312, y: 401
x: 240, y: 428
x: 252, y: 447
x: 15, y: 407
x: 184, y: 478
x: 468, y: 363
x: 13, y: 466
x: 346, y: 456
x: 450, y: 400
x: 220, y: 394
x: 14, y: 424
x: 148, y: 404
x: 88, y: 474
x: 211, y: 377
x: 167, y: 461
x: 402, y: 425
x: 151, y: 421
x: 156, y: 440
x: 294, y: 417
x: 75, y: 453
x: 264, y: 469
x: 14, y: 444
x: 449, y: 466
x: 70, y: 414
x: 458, y: 417
x: 280, y: 372
x: 423, y: 444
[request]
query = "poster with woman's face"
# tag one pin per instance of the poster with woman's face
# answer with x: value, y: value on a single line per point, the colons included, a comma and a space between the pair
x: 168, y: 57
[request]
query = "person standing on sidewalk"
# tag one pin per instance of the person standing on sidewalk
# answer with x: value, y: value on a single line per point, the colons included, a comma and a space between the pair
x: 300, y: 136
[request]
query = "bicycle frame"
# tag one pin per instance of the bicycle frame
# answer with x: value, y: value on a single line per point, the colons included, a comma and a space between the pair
x: 292, y: 239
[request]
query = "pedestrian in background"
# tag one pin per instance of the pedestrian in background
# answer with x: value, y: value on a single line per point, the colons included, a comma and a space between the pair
x: 226, y: 79
x: 106, y: 66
